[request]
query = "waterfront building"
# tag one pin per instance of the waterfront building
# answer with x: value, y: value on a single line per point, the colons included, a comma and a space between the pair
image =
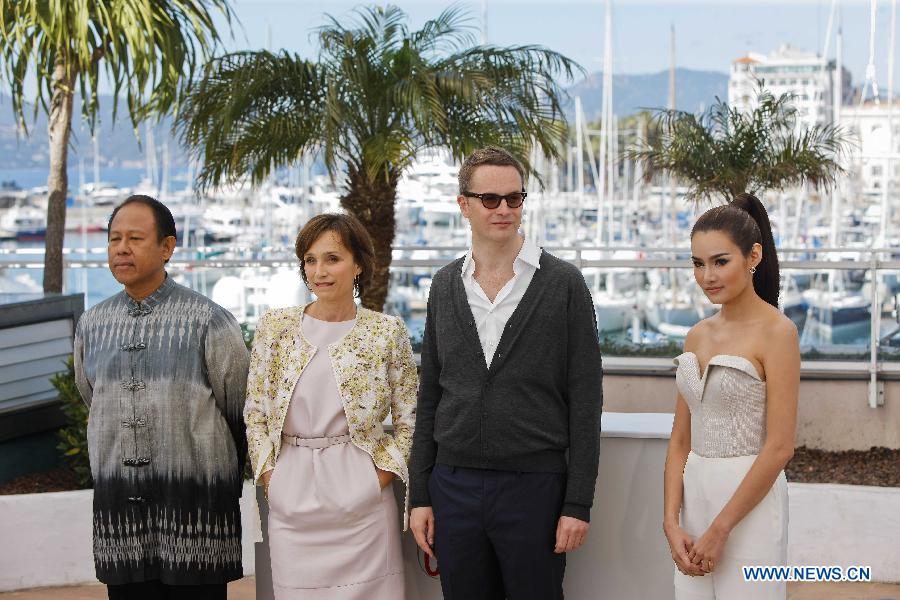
x: 811, y: 78
x: 876, y: 149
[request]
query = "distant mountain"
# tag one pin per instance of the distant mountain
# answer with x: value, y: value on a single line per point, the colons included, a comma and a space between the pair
x: 694, y: 90
x: 117, y: 143
x: 120, y: 148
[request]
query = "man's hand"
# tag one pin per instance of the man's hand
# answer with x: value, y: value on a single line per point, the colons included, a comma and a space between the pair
x: 570, y: 533
x: 421, y: 521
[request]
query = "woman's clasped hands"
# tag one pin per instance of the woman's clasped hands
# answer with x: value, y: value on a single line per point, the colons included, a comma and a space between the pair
x: 699, y: 558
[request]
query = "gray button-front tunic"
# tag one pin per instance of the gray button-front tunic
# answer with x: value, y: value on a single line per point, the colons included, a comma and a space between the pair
x: 165, y: 381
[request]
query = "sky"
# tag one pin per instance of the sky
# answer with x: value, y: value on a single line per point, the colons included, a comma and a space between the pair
x: 709, y: 34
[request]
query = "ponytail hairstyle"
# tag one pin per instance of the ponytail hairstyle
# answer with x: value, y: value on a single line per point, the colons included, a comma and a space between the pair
x: 746, y: 222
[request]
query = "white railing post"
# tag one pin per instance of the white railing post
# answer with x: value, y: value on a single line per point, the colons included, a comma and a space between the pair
x: 876, y: 387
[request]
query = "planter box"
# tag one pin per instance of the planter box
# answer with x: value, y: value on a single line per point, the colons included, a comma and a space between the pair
x: 846, y: 525
x: 47, y: 539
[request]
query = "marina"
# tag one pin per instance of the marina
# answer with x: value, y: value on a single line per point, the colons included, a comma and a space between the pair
x: 235, y: 245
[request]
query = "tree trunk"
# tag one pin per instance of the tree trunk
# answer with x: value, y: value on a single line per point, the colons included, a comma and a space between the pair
x: 372, y: 202
x: 59, y: 127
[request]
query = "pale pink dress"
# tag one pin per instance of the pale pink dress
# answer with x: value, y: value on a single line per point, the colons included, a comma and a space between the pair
x: 333, y: 532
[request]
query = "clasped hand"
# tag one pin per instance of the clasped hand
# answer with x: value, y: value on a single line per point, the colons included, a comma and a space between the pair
x: 698, y: 558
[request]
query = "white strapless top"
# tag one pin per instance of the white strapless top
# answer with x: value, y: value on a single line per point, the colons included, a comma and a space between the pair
x: 727, y: 404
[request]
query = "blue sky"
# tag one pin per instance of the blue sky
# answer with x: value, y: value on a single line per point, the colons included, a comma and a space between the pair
x: 709, y: 35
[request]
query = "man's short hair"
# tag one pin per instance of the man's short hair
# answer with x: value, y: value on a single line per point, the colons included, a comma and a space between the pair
x: 491, y: 155
x: 165, y: 222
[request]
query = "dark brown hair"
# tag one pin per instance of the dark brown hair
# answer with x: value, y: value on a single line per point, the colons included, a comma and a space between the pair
x: 353, y: 236
x: 492, y: 155
x: 746, y: 222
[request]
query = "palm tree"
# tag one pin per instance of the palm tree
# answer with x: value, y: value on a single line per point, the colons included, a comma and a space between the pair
x: 144, y: 49
x: 377, y: 94
x: 724, y: 151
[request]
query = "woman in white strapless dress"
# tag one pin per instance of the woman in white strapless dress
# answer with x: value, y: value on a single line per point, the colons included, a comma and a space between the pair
x: 726, y: 504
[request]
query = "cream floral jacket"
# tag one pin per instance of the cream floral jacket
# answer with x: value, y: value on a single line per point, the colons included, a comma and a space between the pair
x: 375, y: 373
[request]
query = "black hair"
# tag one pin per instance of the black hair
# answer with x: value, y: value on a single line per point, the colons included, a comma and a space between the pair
x: 162, y: 216
x: 746, y: 222
x: 165, y: 222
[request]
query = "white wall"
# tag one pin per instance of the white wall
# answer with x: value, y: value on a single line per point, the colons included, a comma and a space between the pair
x: 46, y: 539
x: 845, y: 525
x: 833, y: 414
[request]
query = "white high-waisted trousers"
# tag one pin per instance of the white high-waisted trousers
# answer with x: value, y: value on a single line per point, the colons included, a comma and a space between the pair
x: 760, y: 539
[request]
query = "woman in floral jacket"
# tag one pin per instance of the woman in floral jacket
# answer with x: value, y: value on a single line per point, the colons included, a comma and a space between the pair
x: 322, y: 380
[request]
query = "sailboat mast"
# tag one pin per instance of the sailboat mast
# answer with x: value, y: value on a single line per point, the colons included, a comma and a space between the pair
x: 837, y: 99
x: 888, y: 172
x: 579, y: 151
x: 605, y: 122
x: 673, y: 217
x: 96, y: 151
x: 484, y: 22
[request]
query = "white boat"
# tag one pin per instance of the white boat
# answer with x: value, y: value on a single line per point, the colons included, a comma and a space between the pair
x: 23, y: 223
x: 104, y: 193
x: 791, y: 301
x: 836, y: 316
x: 613, y: 312
x: 674, y: 303
x: 222, y: 224
x: 435, y: 171
x: 18, y: 284
x: 254, y: 289
x: 674, y: 311
x: 11, y: 194
x: 616, y: 292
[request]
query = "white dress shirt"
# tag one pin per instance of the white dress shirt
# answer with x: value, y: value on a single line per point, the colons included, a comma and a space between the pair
x: 491, y: 317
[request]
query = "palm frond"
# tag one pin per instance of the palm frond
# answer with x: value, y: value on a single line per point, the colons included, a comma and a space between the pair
x: 251, y: 112
x: 724, y: 151
x: 147, y: 50
x: 375, y: 96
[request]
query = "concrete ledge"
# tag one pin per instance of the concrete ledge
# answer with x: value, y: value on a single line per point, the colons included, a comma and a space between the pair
x: 47, y: 539
x: 832, y: 414
x: 653, y: 366
x: 845, y: 525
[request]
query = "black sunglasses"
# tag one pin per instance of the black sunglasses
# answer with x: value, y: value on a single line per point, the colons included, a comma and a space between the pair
x: 492, y: 201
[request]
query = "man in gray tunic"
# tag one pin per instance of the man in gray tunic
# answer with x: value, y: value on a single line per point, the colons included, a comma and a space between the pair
x: 163, y: 370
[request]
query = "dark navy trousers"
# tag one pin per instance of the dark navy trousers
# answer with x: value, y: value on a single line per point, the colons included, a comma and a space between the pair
x: 495, y: 532
x: 156, y: 590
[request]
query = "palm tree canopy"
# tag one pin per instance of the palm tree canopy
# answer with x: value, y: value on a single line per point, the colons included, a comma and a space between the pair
x: 376, y: 95
x: 724, y: 151
x: 145, y: 48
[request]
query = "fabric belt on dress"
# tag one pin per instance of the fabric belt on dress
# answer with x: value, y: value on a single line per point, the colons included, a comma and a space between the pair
x: 320, y: 442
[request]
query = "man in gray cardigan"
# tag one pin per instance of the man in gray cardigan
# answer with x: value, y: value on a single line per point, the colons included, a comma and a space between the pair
x: 164, y: 371
x: 504, y: 456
